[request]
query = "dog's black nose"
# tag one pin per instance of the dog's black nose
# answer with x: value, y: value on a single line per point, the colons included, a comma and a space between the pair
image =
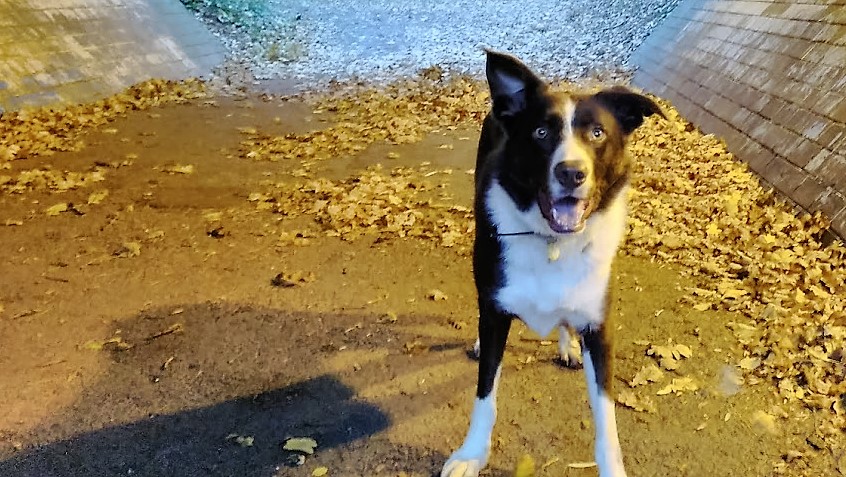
x: 570, y: 175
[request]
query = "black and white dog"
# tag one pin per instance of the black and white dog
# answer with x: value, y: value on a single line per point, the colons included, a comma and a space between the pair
x: 551, y: 181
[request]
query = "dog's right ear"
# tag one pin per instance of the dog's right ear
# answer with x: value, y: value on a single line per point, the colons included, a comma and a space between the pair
x: 511, y: 83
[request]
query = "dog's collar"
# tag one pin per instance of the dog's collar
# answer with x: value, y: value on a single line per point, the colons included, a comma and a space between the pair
x: 513, y: 234
x: 553, y: 246
x: 548, y: 238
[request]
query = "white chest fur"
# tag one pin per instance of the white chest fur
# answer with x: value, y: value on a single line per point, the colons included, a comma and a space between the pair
x: 545, y: 293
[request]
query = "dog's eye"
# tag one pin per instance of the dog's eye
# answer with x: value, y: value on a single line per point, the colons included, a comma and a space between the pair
x: 597, y: 133
x: 540, y: 133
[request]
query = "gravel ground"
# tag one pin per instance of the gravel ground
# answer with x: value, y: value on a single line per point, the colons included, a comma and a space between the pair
x: 311, y: 42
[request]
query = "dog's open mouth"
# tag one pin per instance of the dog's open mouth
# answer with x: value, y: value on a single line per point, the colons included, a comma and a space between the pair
x: 565, y: 215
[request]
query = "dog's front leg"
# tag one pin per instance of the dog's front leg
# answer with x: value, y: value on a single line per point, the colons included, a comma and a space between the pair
x: 473, y: 454
x: 597, y: 358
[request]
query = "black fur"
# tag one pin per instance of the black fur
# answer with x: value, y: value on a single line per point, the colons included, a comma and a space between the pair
x: 517, y: 148
x: 597, y: 343
x: 628, y: 107
x: 509, y: 153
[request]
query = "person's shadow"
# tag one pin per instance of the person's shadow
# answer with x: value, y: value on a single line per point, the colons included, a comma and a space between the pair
x: 208, y: 411
x: 194, y: 442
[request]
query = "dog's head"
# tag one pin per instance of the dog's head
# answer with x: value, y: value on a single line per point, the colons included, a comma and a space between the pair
x: 563, y: 152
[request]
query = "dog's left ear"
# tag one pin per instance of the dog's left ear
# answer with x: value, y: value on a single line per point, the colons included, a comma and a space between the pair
x: 628, y: 107
x: 511, y: 84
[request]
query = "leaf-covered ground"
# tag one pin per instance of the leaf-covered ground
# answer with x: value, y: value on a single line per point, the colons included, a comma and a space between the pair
x: 171, y: 254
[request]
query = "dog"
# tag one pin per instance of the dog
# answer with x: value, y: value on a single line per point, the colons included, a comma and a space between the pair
x: 552, y: 175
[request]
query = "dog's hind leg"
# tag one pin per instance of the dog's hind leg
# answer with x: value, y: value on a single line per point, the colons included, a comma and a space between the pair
x: 569, y: 351
x: 473, y: 454
x: 599, y: 374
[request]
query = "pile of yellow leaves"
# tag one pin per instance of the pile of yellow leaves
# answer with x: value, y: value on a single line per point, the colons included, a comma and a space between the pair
x: 402, y: 113
x: 43, y: 131
x: 49, y: 178
x: 694, y: 204
x: 395, y: 204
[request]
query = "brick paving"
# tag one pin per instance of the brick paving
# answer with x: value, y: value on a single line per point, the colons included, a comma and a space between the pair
x: 770, y: 78
x: 81, y: 50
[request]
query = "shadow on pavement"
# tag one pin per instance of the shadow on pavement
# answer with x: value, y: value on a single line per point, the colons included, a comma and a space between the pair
x: 193, y: 442
x: 166, y: 405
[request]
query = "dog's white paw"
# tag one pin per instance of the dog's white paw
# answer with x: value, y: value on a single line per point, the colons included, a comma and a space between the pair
x: 569, y: 348
x: 477, y: 349
x: 571, y: 358
x: 459, y: 466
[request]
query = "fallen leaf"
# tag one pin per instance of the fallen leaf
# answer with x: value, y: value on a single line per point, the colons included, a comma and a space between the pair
x: 525, y: 466
x: 388, y: 317
x: 174, y: 328
x: 682, y: 351
x: 764, y: 422
x: 243, y: 441
x: 306, y: 445
x: 649, y: 373
x: 628, y: 398
x: 179, y: 169
x: 749, y: 363
x: 128, y: 250
x: 213, y: 216
x: 288, y: 280
x: 97, y: 196
x: 93, y: 345
x: 415, y: 347
x: 679, y: 386
x: 56, y: 209
x: 217, y: 232
x: 116, y: 343
x: 436, y: 295
x: 669, y: 356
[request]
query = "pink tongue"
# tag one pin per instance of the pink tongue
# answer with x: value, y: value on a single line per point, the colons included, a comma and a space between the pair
x: 568, y: 215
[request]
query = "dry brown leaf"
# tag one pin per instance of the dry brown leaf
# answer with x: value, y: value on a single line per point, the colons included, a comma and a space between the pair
x: 649, y: 373
x: 679, y: 386
x: 749, y: 364
x: 669, y: 356
x: 33, y: 132
x: 436, y: 295
x: 179, y: 169
x: 128, y: 250
x: 57, y: 209
x: 764, y: 422
x: 97, y: 196
x: 628, y: 398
